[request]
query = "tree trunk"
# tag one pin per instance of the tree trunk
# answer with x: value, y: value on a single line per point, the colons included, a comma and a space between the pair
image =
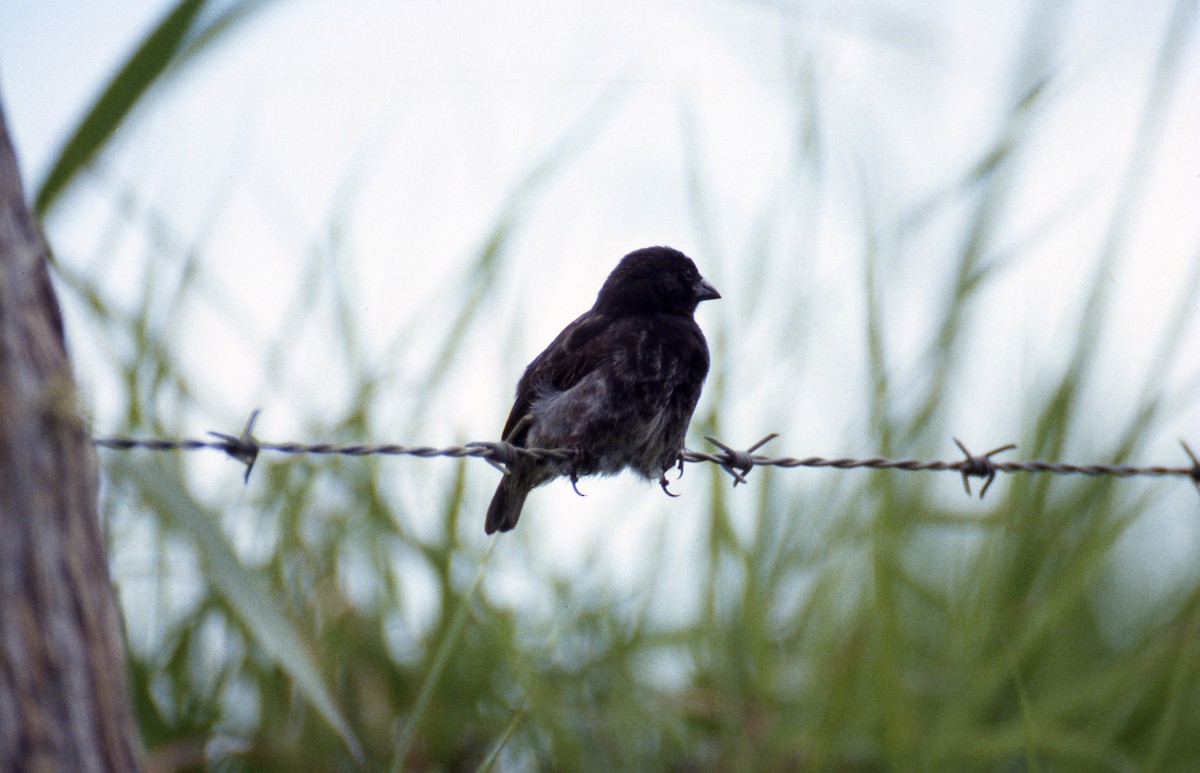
x: 64, y: 704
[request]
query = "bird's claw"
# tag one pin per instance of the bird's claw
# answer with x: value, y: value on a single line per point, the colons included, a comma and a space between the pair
x: 662, y: 481
x: 574, y: 470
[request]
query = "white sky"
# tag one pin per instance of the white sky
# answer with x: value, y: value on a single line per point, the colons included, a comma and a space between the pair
x: 408, y: 123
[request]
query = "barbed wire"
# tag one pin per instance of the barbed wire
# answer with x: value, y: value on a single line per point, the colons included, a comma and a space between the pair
x: 245, y: 448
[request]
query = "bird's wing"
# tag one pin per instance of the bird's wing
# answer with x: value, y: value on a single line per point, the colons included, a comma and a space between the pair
x: 578, y: 350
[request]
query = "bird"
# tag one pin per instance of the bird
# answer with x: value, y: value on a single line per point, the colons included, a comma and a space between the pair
x: 616, y: 388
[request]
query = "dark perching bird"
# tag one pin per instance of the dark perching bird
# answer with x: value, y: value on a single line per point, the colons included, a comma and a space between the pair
x: 617, y: 387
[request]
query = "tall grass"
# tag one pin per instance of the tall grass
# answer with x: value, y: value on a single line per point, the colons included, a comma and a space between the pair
x: 308, y: 623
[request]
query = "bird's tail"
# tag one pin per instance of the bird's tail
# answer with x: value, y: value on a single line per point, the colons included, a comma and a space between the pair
x: 506, y: 506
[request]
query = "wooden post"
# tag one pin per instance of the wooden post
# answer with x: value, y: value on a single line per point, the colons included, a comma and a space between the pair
x: 64, y: 703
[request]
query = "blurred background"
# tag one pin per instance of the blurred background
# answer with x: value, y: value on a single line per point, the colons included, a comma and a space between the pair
x: 927, y: 220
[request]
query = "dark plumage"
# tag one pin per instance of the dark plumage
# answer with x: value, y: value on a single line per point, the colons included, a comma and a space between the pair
x: 617, y: 386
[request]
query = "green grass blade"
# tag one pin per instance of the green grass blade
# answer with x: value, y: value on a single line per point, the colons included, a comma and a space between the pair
x: 440, y: 659
x: 177, y: 34
x: 244, y: 591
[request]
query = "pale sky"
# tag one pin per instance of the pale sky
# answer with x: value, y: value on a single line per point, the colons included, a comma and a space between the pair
x: 407, y: 124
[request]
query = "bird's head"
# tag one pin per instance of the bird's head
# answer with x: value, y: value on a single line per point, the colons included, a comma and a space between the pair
x: 654, y: 280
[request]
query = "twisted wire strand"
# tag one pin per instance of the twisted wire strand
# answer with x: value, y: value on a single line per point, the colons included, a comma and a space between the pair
x: 497, y: 451
x: 738, y: 463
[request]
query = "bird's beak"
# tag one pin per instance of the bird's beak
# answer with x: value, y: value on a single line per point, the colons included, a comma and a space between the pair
x: 705, y: 292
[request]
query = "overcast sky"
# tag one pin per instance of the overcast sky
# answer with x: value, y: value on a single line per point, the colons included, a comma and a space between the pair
x: 408, y: 124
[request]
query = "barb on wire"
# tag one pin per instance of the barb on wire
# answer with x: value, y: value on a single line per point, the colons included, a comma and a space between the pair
x: 1195, y: 473
x: 980, y: 466
x: 245, y: 448
x: 736, y: 463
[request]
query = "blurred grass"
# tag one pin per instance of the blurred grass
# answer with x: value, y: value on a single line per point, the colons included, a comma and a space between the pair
x: 835, y: 631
